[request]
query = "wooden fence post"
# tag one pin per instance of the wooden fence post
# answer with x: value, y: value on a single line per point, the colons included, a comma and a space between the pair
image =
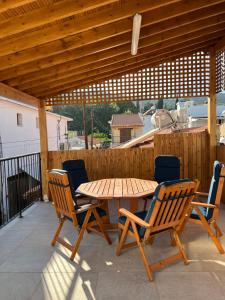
x: 212, y: 109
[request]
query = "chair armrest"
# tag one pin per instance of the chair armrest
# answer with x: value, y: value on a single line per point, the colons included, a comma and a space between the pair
x: 86, y: 207
x: 201, y: 194
x: 203, y: 204
x: 134, y: 218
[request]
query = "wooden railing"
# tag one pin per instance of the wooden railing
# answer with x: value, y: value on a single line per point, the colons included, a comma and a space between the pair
x: 191, y: 147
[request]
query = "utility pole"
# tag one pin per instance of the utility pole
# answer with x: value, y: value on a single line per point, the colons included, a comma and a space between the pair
x: 1, y: 152
x: 85, y: 127
x: 92, y: 127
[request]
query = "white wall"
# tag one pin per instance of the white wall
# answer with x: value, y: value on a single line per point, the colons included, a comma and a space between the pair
x: 18, y: 140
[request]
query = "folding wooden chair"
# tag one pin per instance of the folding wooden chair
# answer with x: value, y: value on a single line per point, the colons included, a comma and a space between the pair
x: 85, y: 217
x: 170, y: 204
x: 206, y: 214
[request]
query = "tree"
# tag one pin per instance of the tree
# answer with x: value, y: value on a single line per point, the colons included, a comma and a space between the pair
x: 148, y: 106
x: 126, y: 106
x: 159, y: 104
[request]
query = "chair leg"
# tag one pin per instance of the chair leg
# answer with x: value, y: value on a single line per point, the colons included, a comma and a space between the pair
x: 218, y: 230
x: 210, y: 232
x: 123, y: 237
x: 102, y: 227
x: 58, y: 230
x: 180, y: 247
x: 142, y: 251
x: 80, y: 236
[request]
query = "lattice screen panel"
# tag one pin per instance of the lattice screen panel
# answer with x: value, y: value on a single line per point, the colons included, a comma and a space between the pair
x: 220, y: 71
x: 184, y: 77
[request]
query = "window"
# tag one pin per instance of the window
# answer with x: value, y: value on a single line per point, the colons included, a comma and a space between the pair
x: 19, y: 119
x: 37, y: 122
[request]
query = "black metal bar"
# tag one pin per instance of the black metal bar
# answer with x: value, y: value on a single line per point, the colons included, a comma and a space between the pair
x: 20, y: 185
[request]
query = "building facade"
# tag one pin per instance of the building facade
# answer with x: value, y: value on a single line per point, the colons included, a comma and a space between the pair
x: 19, y: 129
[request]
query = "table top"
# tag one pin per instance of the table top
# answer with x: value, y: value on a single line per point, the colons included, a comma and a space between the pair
x: 118, y: 188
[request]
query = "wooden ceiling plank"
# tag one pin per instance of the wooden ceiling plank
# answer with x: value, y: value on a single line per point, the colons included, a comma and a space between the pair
x: 105, y: 16
x: 103, y: 32
x: 9, y: 4
x: 112, y: 53
x: 170, y: 34
x: 159, y: 55
x: 48, y: 14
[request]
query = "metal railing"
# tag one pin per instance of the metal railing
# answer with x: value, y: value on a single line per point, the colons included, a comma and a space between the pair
x: 20, y: 185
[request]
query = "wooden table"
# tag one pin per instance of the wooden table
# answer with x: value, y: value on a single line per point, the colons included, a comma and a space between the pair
x: 119, y: 188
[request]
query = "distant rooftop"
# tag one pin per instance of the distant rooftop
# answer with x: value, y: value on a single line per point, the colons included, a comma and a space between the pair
x: 126, y: 120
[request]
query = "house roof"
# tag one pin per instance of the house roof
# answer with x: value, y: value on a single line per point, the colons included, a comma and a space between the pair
x: 126, y: 120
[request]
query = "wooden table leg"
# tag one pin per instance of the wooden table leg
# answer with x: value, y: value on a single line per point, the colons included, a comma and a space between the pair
x: 133, y: 205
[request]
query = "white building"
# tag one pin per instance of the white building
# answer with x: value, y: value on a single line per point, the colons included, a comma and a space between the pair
x: 19, y: 129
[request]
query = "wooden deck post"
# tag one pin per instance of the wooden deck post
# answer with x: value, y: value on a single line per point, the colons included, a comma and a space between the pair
x: 44, y: 147
x: 212, y: 109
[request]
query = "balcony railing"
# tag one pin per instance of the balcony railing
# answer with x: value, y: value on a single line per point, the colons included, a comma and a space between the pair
x: 20, y: 185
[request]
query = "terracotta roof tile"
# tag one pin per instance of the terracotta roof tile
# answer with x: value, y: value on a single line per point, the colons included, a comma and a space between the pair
x: 126, y: 120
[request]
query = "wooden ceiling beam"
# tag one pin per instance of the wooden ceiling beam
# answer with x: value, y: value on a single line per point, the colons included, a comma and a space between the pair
x: 220, y: 45
x: 11, y: 93
x: 106, y: 31
x: 9, y: 4
x: 48, y: 14
x: 85, y: 22
x: 112, y: 53
x: 159, y: 57
x: 170, y: 34
x: 113, y: 67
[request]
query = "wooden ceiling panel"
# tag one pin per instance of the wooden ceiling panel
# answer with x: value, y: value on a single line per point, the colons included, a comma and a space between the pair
x: 111, y: 30
x: 52, y: 46
x: 146, y: 46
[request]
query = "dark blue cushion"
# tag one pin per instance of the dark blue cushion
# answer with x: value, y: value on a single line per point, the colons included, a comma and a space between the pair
x: 141, y: 215
x: 208, y: 212
x: 81, y: 216
x: 195, y: 216
x: 77, y: 174
x: 167, y: 167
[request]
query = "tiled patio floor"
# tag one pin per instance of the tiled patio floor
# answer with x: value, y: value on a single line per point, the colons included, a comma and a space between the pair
x: 31, y: 269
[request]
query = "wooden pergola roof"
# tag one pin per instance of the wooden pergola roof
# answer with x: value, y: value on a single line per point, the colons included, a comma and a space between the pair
x: 66, y: 51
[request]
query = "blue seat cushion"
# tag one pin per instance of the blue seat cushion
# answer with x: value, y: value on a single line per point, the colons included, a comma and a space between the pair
x: 81, y: 216
x: 213, y: 188
x: 141, y: 215
x: 77, y: 174
x: 167, y: 167
x: 195, y: 216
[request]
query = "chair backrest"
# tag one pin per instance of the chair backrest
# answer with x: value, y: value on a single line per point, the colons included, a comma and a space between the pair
x: 170, y: 204
x: 216, y: 187
x: 167, y: 167
x: 61, y: 194
x: 76, y: 172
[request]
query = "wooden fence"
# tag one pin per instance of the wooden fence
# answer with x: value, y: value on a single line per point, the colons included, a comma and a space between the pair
x: 191, y: 147
x: 193, y: 150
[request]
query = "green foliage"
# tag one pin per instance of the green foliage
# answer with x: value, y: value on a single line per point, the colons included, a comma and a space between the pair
x: 148, y: 106
x: 102, y: 115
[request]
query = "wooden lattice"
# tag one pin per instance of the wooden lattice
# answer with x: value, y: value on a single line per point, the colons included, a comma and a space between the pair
x: 220, y: 71
x: 183, y: 77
